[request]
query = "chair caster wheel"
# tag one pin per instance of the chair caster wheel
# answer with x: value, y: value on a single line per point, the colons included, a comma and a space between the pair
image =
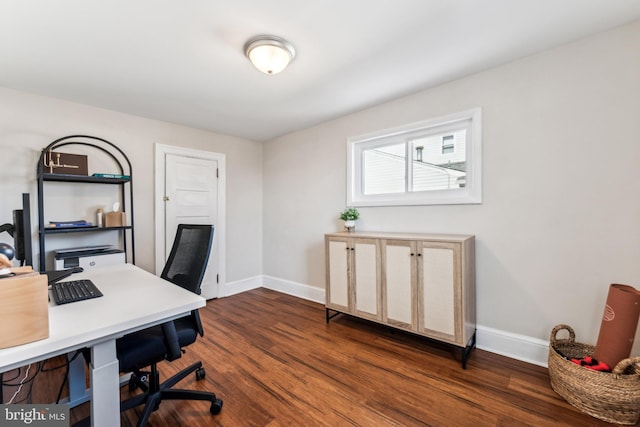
x: 137, y: 381
x: 133, y: 383
x: 216, y: 407
x: 200, y: 374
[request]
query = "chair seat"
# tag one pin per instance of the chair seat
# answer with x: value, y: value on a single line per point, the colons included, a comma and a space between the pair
x: 141, y: 349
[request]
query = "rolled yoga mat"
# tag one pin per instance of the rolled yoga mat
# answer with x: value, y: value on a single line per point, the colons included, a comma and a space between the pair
x: 619, y: 323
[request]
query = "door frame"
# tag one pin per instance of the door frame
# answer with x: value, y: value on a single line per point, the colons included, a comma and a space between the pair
x: 161, y: 151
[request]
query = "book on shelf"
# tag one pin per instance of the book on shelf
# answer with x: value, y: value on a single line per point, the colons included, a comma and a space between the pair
x: 69, y: 224
x: 111, y: 175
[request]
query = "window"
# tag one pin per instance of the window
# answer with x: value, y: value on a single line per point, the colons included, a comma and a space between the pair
x: 436, y: 161
x: 447, y: 144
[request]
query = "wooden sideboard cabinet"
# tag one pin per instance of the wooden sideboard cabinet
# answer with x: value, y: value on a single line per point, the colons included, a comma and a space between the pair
x: 420, y: 283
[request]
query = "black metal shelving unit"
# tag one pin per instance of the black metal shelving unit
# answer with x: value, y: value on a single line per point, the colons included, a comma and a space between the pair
x: 125, y: 185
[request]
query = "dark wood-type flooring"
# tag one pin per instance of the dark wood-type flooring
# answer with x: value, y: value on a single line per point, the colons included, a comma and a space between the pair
x: 275, y: 362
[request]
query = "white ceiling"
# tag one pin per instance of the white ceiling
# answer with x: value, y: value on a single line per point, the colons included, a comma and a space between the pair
x: 182, y: 61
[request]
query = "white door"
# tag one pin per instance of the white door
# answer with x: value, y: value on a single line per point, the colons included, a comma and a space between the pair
x: 191, y: 197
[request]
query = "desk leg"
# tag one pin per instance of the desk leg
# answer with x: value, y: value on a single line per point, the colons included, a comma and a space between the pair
x: 78, y: 392
x: 105, y: 385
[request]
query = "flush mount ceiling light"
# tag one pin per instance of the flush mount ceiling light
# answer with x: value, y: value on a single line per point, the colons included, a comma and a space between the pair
x: 269, y: 54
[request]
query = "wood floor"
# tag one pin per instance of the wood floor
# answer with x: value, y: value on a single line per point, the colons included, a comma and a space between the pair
x: 275, y: 362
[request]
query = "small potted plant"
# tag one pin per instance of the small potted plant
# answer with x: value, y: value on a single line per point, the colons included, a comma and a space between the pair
x: 349, y: 216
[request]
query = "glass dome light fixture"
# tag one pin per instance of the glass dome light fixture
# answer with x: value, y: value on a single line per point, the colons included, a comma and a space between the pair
x: 269, y: 54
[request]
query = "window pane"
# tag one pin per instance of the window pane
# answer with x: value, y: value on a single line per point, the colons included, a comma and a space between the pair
x: 384, y: 169
x: 439, y: 161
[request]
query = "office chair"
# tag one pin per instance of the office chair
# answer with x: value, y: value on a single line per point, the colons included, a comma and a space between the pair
x: 144, y: 349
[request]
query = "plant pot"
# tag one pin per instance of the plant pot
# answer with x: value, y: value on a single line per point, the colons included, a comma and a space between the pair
x: 350, y: 225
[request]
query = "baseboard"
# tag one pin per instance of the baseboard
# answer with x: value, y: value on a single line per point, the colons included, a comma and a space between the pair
x: 299, y: 290
x: 232, y: 288
x: 514, y: 346
x: 288, y: 287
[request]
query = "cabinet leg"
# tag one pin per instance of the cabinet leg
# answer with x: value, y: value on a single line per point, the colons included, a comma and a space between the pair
x: 466, y: 352
x: 331, y: 316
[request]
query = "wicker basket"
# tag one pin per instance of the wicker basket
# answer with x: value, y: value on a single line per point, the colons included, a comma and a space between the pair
x: 610, y: 396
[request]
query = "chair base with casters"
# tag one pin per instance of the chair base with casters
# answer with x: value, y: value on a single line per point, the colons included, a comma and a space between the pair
x: 154, y: 392
x: 145, y: 349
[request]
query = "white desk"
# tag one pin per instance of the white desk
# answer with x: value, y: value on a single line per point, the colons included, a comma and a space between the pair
x: 133, y: 299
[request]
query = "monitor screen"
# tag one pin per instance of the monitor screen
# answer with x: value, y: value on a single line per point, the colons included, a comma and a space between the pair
x: 22, y: 232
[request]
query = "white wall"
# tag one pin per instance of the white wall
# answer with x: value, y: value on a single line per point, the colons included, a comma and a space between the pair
x: 28, y: 123
x: 560, y: 220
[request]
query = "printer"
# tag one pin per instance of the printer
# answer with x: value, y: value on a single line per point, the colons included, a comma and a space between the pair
x: 88, y: 257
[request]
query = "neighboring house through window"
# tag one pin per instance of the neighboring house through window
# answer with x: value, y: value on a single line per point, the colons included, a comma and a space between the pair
x: 436, y: 161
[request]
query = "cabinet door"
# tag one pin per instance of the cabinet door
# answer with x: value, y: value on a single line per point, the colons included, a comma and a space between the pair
x: 338, y: 292
x: 398, y: 283
x: 366, y: 278
x: 439, y: 291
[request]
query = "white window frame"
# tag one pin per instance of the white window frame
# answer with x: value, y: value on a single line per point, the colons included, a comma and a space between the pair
x: 470, y: 194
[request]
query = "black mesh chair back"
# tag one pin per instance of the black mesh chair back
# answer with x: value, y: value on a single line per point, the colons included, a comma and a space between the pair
x: 189, y: 256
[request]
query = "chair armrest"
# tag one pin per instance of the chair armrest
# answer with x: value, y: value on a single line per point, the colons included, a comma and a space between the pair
x: 171, y: 341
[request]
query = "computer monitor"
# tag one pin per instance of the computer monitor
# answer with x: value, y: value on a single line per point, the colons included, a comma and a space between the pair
x: 20, y: 230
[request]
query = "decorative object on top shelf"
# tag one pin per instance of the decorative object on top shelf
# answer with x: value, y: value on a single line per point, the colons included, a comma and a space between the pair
x: 349, y: 216
x: 65, y: 163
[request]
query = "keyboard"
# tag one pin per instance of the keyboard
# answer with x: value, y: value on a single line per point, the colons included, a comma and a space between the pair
x: 74, y: 290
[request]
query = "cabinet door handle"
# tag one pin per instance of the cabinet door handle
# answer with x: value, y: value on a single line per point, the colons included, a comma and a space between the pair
x: 419, y: 254
x: 413, y: 254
